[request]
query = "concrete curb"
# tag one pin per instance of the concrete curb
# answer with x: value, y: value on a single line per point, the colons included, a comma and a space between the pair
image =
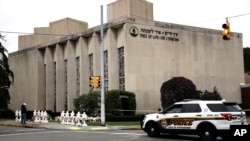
x: 58, y: 126
x: 20, y: 125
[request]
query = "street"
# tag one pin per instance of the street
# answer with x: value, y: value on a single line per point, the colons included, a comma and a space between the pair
x: 8, y: 133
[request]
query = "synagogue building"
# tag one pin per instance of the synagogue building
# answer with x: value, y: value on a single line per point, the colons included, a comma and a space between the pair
x: 52, y: 66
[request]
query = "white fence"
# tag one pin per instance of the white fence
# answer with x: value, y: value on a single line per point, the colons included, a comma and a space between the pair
x: 67, y: 118
x: 39, y: 116
x: 78, y: 119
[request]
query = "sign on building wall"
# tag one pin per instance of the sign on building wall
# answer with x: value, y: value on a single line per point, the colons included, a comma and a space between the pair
x: 154, y: 34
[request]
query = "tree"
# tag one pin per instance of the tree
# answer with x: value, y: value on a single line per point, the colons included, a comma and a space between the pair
x: 113, y: 103
x: 177, y: 89
x: 6, y: 76
x: 119, y: 102
x: 88, y: 103
x: 215, y: 95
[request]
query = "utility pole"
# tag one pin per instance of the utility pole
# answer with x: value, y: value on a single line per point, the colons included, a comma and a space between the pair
x: 102, y: 74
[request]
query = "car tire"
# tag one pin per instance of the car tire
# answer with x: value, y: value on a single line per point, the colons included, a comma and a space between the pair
x: 152, y: 130
x: 207, y: 133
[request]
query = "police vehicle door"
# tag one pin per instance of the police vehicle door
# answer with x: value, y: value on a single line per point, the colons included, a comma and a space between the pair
x: 189, y: 113
x: 170, y: 116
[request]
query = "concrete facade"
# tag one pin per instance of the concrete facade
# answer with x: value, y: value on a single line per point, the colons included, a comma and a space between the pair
x: 55, y: 30
x: 140, y: 55
x: 247, y: 78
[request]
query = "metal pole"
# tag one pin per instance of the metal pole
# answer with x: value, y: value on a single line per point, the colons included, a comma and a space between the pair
x: 102, y: 74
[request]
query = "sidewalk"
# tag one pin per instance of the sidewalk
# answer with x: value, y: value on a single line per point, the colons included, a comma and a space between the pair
x: 58, y: 126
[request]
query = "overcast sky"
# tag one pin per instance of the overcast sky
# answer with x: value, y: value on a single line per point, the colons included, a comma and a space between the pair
x: 24, y: 15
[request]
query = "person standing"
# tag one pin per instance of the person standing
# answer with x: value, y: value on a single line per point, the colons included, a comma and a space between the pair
x: 23, y: 113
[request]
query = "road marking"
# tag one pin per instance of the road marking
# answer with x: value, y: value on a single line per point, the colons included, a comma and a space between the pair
x: 74, y: 128
x: 99, y: 128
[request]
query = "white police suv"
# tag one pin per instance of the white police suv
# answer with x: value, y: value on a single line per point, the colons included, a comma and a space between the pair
x: 208, y: 119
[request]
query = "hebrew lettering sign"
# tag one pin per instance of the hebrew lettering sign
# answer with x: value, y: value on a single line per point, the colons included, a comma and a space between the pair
x: 154, y: 34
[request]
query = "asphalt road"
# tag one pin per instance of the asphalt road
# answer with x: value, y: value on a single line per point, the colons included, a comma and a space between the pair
x: 32, y: 134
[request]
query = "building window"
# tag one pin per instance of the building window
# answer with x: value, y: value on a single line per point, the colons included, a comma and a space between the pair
x: 121, y: 68
x: 105, y: 71
x: 66, y: 85
x: 45, y: 84
x: 91, y: 73
x: 54, y: 69
x: 91, y: 64
x: 77, y: 76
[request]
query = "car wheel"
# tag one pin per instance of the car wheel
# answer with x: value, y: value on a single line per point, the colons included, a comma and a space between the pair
x: 207, y: 133
x: 152, y: 130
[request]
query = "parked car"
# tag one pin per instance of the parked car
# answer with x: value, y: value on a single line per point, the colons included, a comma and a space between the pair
x: 207, y: 119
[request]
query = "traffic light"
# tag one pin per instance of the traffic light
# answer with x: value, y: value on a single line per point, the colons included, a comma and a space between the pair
x: 98, y: 81
x: 226, y: 31
x: 91, y: 82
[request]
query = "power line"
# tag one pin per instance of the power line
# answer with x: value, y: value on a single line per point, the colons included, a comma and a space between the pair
x: 220, y: 18
x: 206, y: 21
x: 238, y: 16
x: 15, y: 32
